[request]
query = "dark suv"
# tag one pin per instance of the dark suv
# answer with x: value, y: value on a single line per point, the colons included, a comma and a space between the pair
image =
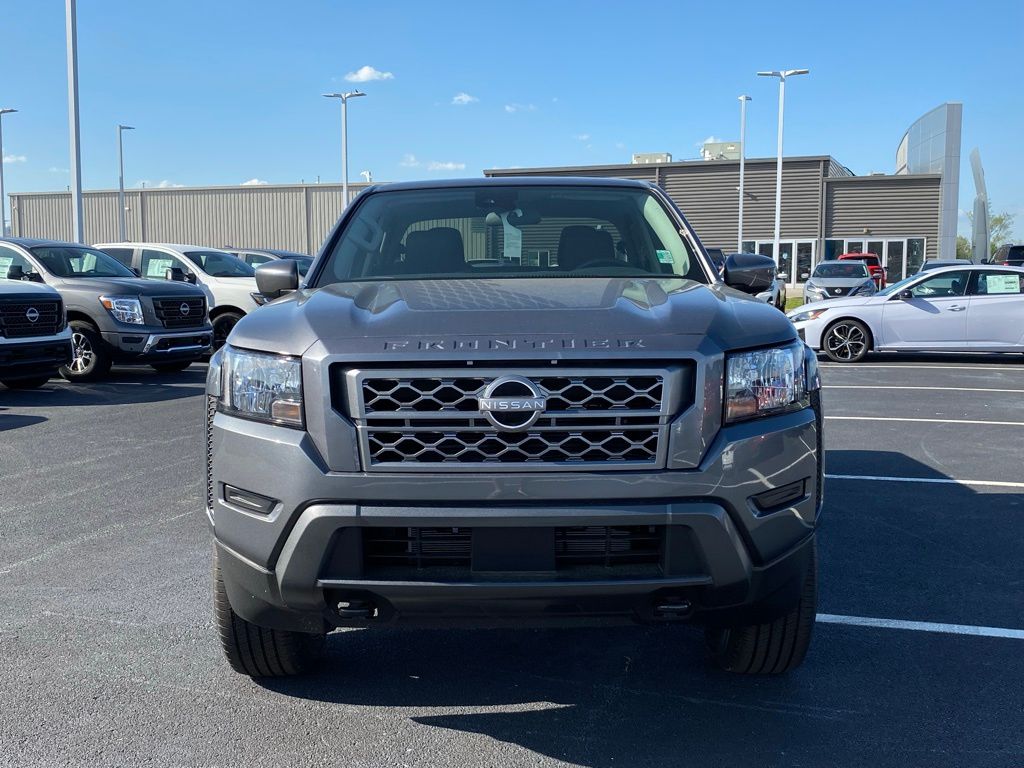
x: 114, y: 315
x: 442, y: 426
x: 1009, y: 256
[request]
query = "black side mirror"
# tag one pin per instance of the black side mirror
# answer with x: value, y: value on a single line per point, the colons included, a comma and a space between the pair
x: 276, y: 278
x: 749, y: 272
x: 176, y: 274
x: 16, y: 272
x: 904, y: 295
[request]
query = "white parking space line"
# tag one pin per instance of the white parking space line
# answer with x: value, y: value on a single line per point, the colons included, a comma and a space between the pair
x: 927, y: 421
x: 933, y: 480
x: 934, y: 389
x: 921, y: 626
x: 932, y: 367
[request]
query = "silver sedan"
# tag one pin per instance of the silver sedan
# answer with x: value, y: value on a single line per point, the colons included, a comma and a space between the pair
x: 973, y: 308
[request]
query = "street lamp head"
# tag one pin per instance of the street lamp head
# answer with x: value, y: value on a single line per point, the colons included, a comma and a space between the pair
x: 344, y: 96
x: 126, y: 127
x: 790, y: 72
x: 772, y: 73
x: 744, y: 97
x: 7, y: 111
x: 353, y: 94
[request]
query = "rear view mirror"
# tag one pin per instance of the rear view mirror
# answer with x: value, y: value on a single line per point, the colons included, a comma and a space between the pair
x: 276, y: 278
x: 177, y: 274
x: 749, y: 272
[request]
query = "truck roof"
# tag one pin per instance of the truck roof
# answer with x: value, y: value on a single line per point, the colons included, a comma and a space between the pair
x: 513, y: 181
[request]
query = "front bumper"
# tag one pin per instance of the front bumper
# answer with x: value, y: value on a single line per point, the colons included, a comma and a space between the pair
x: 148, y: 345
x: 724, y: 556
x: 29, y: 358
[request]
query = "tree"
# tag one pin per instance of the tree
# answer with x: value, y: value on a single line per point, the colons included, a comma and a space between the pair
x: 1000, y: 230
x: 963, y: 248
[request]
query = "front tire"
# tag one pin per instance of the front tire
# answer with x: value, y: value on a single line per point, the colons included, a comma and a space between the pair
x: 258, y: 651
x: 34, y: 383
x: 846, y: 341
x: 89, y: 357
x: 222, y: 325
x: 773, y: 648
x: 171, y: 367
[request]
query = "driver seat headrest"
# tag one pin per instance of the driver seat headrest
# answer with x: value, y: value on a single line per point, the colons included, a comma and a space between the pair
x: 579, y: 244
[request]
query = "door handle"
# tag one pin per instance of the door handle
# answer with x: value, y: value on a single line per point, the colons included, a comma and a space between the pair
x: 956, y: 308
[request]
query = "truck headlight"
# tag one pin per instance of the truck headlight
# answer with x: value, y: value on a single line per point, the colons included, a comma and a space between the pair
x: 125, y: 309
x: 764, y: 382
x: 262, y: 386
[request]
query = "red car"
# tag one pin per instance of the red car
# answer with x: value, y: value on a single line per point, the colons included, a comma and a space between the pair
x: 874, y: 265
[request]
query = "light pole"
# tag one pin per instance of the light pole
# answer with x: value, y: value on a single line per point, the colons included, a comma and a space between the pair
x: 782, y: 75
x: 344, y: 139
x: 121, y: 228
x: 71, y: 25
x: 743, y: 152
x: 3, y: 199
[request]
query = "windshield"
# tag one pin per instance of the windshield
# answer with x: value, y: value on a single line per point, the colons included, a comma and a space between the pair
x: 219, y: 264
x: 77, y: 261
x: 840, y: 270
x: 897, y: 287
x: 510, y: 232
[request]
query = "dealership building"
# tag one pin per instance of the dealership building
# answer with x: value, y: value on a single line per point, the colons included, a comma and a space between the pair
x: 903, y: 217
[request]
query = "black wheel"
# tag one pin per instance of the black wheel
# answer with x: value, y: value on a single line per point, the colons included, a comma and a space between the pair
x: 257, y: 651
x: 773, y: 648
x: 89, y: 357
x: 33, y: 383
x: 846, y: 341
x: 181, y: 365
x: 222, y: 325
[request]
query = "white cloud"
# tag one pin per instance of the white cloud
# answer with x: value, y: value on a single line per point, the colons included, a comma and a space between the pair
x: 15, y: 159
x: 462, y: 98
x: 253, y: 182
x: 583, y: 137
x: 409, y: 161
x: 437, y: 165
x: 510, y: 108
x: 368, y: 73
x: 709, y: 140
x: 620, y: 145
x: 55, y: 169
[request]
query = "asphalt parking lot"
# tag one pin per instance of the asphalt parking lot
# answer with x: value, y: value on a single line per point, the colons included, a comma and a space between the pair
x: 108, y: 655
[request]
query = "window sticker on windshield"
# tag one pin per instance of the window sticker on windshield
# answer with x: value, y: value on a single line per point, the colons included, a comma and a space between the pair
x: 5, y: 264
x: 513, y: 250
x: 665, y: 257
x: 1002, y: 283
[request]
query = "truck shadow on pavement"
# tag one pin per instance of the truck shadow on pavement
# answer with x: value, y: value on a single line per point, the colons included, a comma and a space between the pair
x: 638, y: 696
x: 123, y: 386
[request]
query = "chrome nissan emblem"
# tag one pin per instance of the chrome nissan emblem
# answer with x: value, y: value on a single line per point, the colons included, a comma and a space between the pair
x: 32, y: 314
x: 184, y: 308
x: 512, y: 403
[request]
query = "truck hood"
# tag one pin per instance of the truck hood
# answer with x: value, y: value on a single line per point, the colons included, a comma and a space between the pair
x: 125, y: 286
x: 25, y: 288
x: 440, y: 315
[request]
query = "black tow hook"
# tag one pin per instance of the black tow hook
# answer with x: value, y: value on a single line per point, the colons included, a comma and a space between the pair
x: 674, y: 610
x: 356, y: 609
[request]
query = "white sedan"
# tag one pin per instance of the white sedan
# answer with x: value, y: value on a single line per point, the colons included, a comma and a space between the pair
x: 971, y: 308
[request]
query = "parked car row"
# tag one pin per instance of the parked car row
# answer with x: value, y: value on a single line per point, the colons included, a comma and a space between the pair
x: 77, y: 310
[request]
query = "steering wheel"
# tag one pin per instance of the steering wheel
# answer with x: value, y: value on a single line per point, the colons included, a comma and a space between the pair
x: 601, y: 263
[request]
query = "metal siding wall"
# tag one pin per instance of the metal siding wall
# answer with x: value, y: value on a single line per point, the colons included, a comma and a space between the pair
x: 294, y: 217
x: 887, y: 206
x: 709, y: 198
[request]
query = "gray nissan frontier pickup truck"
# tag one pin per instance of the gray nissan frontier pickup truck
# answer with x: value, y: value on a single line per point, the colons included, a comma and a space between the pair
x: 509, y: 402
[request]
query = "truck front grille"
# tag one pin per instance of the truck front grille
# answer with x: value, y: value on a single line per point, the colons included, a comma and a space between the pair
x: 579, y: 418
x: 180, y: 311
x: 23, y: 317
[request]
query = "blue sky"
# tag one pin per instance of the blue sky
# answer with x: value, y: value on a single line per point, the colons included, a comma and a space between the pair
x: 226, y: 92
